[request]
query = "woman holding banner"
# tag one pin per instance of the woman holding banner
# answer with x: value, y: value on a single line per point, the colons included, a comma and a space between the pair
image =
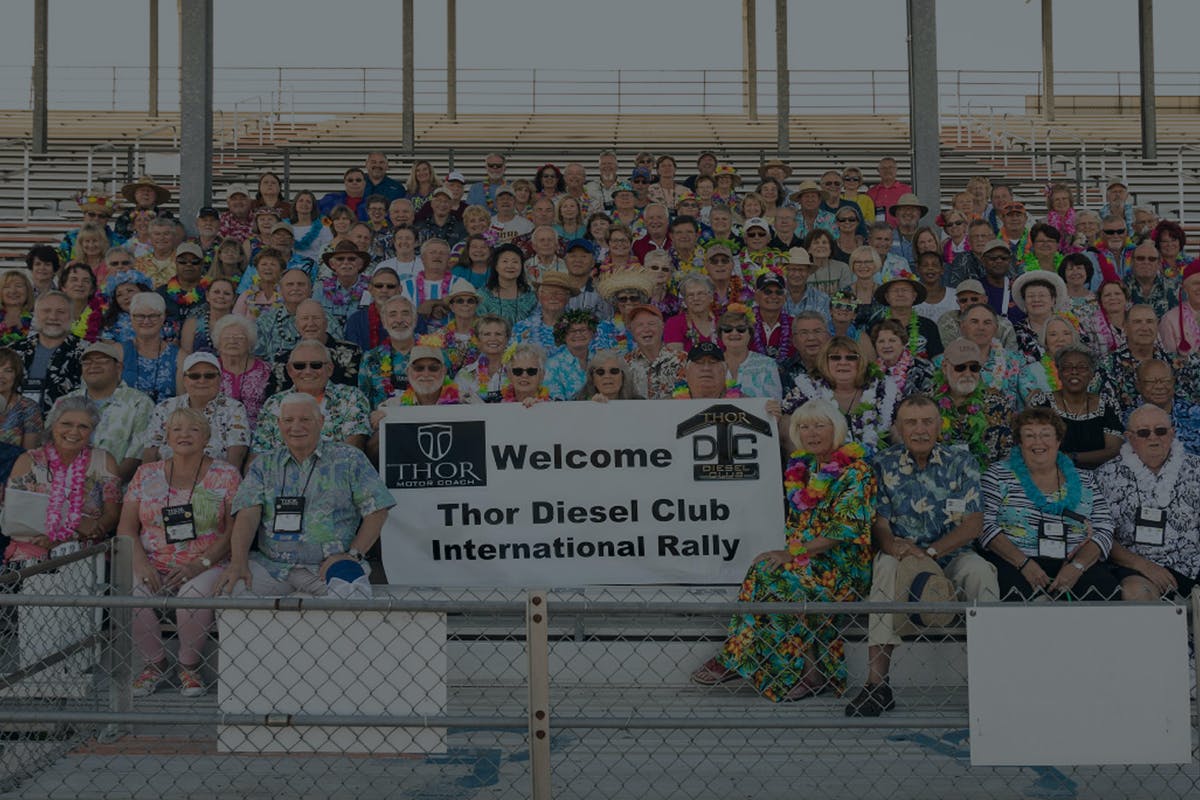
x: 830, y: 492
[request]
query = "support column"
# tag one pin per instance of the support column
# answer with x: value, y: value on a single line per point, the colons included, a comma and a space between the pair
x: 41, y: 35
x: 195, y: 109
x: 452, y: 60
x: 783, y: 100
x: 408, y: 133
x: 152, y: 100
x: 1146, y: 66
x: 923, y: 114
x: 1048, y: 59
x: 750, y: 59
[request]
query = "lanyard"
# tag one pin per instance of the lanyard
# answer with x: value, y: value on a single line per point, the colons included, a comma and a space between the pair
x: 195, y: 480
x: 311, y: 469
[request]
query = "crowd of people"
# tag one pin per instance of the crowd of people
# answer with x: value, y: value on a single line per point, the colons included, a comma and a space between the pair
x: 1001, y: 404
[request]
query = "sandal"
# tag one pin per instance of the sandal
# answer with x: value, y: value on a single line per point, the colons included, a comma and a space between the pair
x: 712, y: 673
x: 802, y: 690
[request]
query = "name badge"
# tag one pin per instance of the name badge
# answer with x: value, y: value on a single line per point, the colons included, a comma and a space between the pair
x: 1052, y: 540
x: 33, y: 389
x: 956, y: 505
x: 1150, y: 526
x: 179, y: 523
x: 289, y: 516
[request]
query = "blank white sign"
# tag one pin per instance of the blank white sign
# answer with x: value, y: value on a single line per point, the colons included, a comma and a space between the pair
x: 1062, y: 685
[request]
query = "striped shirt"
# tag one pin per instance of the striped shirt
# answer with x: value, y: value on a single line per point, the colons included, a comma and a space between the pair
x: 1007, y: 510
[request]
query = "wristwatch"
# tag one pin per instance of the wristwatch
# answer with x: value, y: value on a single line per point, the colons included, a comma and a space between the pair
x: 1078, y: 566
x: 206, y: 562
x: 353, y: 553
x: 931, y: 551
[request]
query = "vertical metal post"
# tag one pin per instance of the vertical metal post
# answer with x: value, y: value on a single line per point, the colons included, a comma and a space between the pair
x: 1048, y: 58
x: 41, y: 35
x: 452, y: 60
x: 783, y: 104
x: 408, y: 124
x: 923, y: 112
x: 26, y: 163
x: 1146, y: 67
x: 152, y: 83
x: 287, y: 171
x: 118, y: 645
x: 750, y: 59
x: 537, y: 647
x: 1179, y: 178
x: 195, y: 110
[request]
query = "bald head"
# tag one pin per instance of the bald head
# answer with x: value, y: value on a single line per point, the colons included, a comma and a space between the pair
x: 1148, y: 416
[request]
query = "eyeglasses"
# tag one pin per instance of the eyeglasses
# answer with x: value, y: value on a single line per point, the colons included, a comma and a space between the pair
x: 847, y: 220
x: 192, y: 261
x: 145, y: 317
x: 639, y: 180
x: 738, y: 328
x: 1146, y: 259
x: 720, y: 259
x: 522, y: 371
x: 627, y: 298
x: 436, y: 366
x: 1145, y: 433
x: 1114, y: 231
x: 385, y: 286
x: 995, y: 257
x: 1158, y: 381
x: 200, y: 376
x: 120, y: 263
x: 831, y: 184
x: 660, y: 268
x: 608, y: 371
x: 303, y: 365
x: 851, y: 178
x: 851, y: 357
x: 469, y: 301
x: 966, y: 367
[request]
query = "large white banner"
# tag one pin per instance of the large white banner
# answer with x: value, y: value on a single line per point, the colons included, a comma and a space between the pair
x: 580, y: 493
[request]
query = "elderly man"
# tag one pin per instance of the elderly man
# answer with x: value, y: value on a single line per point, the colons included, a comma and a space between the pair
x: 810, y: 332
x: 580, y: 262
x: 704, y: 373
x: 364, y: 328
x: 656, y: 370
x: 706, y: 166
x: 885, y: 193
x: 507, y: 224
x: 811, y: 216
x: 159, y: 264
x: 973, y: 414
x: 658, y: 236
x: 344, y: 408
x: 1154, y: 500
x: 483, y: 193
x: 555, y: 289
x: 124, y: 412
x: 429, y: 286
x: 237, y: 221
x: 929, y: 505
x: 879, y: 237
x: 313, y: 324
x: 773, y: 326
x: 545, y: 258
x: 1117, y: 373
x: 1156, y: 385
x: 968, y: 264
x: 908, y: 212
x: 1014, y: 223
x: 575, y: 178
x: 1117, y: 196
x: 600, y: 189
x: 353, y: 194
x: 315, y: 508
x: 1146, y: 283
x: 201, y: 391
x: 184, y: 291
x: 276, y: 326
x: 968, y: 294
x: 684, y: 237
x: 429, y: 384
x: 442, y: 223
x: 785, y: 237
x: 51, y: 354
x: 341, y: 294
x: 799, y: 296
x: 998, y: 279
x: 378, y: 181
x: 383, y: 369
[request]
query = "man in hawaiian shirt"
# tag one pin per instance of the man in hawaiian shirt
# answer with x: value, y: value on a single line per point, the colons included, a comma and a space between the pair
x: 51, y: 354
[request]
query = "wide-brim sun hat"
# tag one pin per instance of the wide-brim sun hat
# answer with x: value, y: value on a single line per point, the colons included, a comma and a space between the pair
x: 1061, y: 301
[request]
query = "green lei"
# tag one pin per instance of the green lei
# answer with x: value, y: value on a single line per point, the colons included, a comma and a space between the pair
x: 976, y: 424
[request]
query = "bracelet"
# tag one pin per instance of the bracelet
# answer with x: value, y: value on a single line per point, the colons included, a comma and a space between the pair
x: 1023, y: 563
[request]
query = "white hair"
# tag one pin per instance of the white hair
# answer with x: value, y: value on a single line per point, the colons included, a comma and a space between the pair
x: 301, y: 399
x: 235, y: 321
x: 817, y: 409
x: 150, y: 302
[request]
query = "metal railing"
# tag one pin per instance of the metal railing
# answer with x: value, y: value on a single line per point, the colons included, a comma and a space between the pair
x: 1179, y: 174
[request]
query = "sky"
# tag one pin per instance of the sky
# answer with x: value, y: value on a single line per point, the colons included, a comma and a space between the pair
x: 548, y: 34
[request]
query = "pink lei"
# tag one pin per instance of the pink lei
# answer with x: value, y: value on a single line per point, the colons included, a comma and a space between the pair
x: 66, y: 483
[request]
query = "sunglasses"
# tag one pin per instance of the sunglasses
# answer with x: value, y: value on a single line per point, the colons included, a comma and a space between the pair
x: 966, y: 367
x: 608, y: 371
x: 303, y: 365
x: 494, y: 165
x: 1114, y: 231
x: 627, y: 298
x: 521, y: 371
x: 732, y: 328
x: 200, y: 376
x: 755, y: 233
x: 831, y: 184
x: 847, y: 220
x: 434, y: 367
x: 470, y: 301
x: 188, y: 261
x: 851, y: 178
x: 1146, y: 433
x: 385, y: 286
x: 835, y: 357
x: 120, y: 263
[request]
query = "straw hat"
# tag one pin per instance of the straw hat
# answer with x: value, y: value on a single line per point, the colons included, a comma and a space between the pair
x: 909, y: 200
x: 161, y: 193
x: 904, y: 275
x: 639, y: 279
x: 775, y: 162
x: 919, y: 579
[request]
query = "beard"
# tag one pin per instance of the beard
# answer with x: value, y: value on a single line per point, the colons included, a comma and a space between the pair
x: 965, y: 385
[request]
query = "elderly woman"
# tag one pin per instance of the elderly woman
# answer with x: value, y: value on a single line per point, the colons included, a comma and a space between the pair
x: 244, y: 377
x: 697, y: 323
x: 150, y: 362
x: 81, y: 482
x: 608, y: 378
x: 1038, y: 294
x: 20, y: 417
x: 1076, y: 270
x: 574, y: 335
x: 1045, y: 526
x: 524, y: 369
x: 178, y: 518
x: 912, y: 374
x: 480, y: 380
x: 507, y: 293
x: 843, y: 378
x: 196, y: 334
x: 1105, y: 326
x: 229, y: 435
x: 757, y: 375
x: 78, y: 282
x: 263, y: 292
x: 1042, y: 375
x: 121, y: 289
x: 828, y: 273
x: 663, y: 294
x: 16, y: 295
x: 830, y: 492
x: 1093, y: 433
x: 1171, y: 239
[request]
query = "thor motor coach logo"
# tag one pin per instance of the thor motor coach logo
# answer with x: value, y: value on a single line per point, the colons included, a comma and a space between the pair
x: 724, y: 454
x: 421, y: 455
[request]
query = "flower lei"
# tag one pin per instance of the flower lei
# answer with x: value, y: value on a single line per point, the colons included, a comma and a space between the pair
x: 1064, y: 222
x: 419, y: 280
x: 448, y: 396
x: 11, y: 333
x: 759, y: 343
x: 65, y: 485
x: 806, y: 488
x: 509, y: 395
x: 899, y: 370
x: 87, y: 327
x: 1160, y: 486
x: 374, y: 323
x: 385, y: 372
x: 189, y: 298
x: 681, y: 391
x: 1104, y: 329
x: 1032, y: 264
x: 314, y: 230
x: 975, y: 423
x: 914, y: 331
x: 1051, y: 369
x: 338, y: 296
x: 1070, y: 498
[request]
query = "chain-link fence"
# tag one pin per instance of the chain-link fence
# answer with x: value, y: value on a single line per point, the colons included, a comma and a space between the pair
x: 588, y: 693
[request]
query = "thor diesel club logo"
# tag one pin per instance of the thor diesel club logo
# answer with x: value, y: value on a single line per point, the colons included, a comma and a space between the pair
x: 724, y: 454
x: 420, y: 455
